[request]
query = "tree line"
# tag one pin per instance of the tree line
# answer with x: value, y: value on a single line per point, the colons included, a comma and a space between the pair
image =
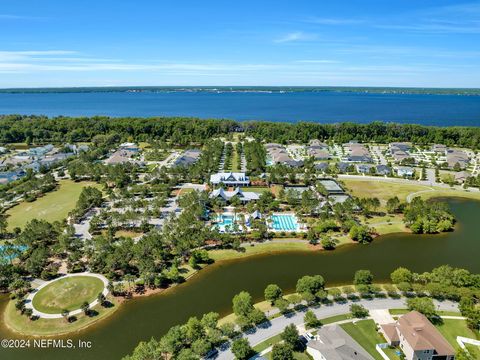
x: 178, y: 130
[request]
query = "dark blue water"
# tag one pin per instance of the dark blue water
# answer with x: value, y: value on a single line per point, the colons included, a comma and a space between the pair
x: 291, y: 106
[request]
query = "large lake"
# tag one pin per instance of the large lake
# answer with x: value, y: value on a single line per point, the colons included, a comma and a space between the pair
x: 328, y: 106
x: 213, y: 288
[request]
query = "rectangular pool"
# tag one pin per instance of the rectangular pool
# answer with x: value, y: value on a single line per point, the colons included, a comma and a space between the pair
x: 284, y: 222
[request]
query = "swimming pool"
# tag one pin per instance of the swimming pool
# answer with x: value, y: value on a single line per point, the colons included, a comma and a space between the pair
x: 224, y: 222
x: 284, y: 222
x: 6, y: 255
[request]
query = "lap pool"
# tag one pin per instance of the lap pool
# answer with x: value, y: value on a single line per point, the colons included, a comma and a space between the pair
x: 284, y: 222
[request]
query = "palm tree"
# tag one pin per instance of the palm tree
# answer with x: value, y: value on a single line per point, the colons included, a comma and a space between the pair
x: 28, y: 313
x: 65, y: 314
x: 129, y: 278
x: 86, y: 308
x: 101, y: 299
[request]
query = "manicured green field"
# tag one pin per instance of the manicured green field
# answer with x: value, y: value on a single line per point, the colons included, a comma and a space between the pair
x: 68, y: 293
x: 227, y: 254
x: 54, y: 206
x: 452, y: 328
x: 383, y: 190
x: 366, y: 335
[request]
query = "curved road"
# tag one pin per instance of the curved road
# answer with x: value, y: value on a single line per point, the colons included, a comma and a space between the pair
x: 29, y: 302
x: 273, y: 327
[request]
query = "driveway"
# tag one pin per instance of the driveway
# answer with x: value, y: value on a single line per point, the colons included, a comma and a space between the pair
x: 381, y: 316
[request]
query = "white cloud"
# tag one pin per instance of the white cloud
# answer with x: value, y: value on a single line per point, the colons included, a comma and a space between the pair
x: 318, y: 61
x: 334, y: 21
x: 296, y: 36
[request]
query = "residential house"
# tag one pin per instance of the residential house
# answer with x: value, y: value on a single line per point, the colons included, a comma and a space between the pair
x: 319, y: 154
x: 418, y: 338
x: 365, y: 168
x: 315, y: 143
x: 358, y: 153
x: 405, y: 171
x: 439, y: 148
x: 333, y: 343
x: 344, y: 167
x: 383, y: 170
x: 461, y: 176
x: 230, y: 179
x: 323, y: 166
x: 399, y: 156
x: 456, y: 156
x: 318, y: 150
x: 400, y: 146
x: 279, y: 155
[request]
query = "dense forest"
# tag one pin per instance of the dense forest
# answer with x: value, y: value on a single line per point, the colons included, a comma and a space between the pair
x: 40, y: 129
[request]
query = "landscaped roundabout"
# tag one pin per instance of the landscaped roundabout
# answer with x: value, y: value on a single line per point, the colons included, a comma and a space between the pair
x: 67, y: 293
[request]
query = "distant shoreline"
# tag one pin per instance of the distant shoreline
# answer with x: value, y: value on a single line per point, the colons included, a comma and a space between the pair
x: 251, y: 89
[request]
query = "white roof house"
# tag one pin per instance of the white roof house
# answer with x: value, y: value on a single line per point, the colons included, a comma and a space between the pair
x: 230, y: 179
x: 244, y: 196
x: 405, y: 171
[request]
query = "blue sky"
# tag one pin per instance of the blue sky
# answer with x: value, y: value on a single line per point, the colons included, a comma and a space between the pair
x: 352, y: 43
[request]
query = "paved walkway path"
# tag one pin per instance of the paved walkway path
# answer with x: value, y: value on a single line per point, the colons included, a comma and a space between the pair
x: 29, y: 302
x: 273, y: 327
x: 415, y: 194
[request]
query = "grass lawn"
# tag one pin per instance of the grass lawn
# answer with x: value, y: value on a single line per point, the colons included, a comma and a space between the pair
x: 333, y: 319
x: 383, y: 190
x: 441, y: 313
x: 269, y: 342
x: 54, y: 206
x: 227, y: 254
x: 68, y: 293
x: 365, y: 333
x: 451, y: 328
x: 441, y: 192
x: 21, y: 324
x: 386, y: 224
x: 235, y: 161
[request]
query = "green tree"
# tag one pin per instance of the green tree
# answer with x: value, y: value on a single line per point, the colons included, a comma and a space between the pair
x: 242, y: 304
x: 272, y: 293
x: 363, y: 277
x: 400, y: 275
x: 423, y: 305
x: 241, y: 349
x: 281, y: 351
x: 290, y: 336
x: 358, y: 311
x: 310, y: 285
x: 194, y: 329
x: 310, y: 319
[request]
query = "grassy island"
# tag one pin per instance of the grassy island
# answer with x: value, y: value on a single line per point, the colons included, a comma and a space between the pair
x: 67, y: 293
